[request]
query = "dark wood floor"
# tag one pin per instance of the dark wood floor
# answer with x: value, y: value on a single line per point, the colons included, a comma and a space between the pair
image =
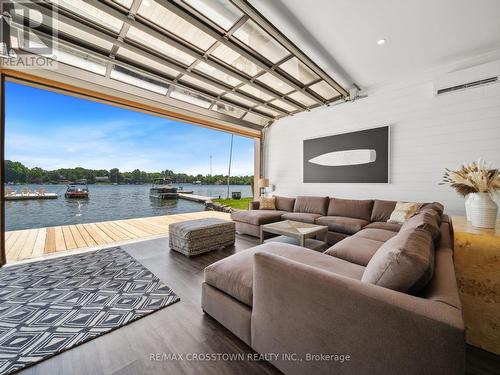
x: 180, y: 328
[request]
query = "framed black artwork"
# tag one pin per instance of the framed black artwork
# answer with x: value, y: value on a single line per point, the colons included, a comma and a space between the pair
x: 356, y: 157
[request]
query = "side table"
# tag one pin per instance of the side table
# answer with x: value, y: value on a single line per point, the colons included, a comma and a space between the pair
x: 477, y: 267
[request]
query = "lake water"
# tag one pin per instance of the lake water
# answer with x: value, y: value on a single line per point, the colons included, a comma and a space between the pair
x: 106, y: 202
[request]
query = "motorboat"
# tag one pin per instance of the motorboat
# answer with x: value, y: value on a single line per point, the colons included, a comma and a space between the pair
x: 163, y: 189
x: 77, y: 190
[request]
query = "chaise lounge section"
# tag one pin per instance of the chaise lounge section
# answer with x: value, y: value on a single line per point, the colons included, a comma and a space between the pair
x: 350, y: 300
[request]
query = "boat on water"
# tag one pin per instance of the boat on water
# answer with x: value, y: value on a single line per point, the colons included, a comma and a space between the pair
x: 163, y: 189
x: 77, y: 190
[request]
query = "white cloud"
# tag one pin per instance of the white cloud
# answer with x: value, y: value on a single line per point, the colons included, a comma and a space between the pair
x: 125, y: 145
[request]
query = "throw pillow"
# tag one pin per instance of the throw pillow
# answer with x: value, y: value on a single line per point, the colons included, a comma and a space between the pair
x: 267, y: 203
x: 403, y: 211
x: 404, y: 263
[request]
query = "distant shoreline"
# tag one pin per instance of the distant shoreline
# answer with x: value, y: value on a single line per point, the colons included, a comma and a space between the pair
x: 16, y: 172
x: 112, y: 183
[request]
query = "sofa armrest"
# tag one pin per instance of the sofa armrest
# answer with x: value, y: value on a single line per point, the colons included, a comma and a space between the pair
x: 304, y: 310
x: 254, y: 205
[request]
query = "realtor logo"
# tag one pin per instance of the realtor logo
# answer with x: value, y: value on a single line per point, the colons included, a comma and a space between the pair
x: 27, y: 34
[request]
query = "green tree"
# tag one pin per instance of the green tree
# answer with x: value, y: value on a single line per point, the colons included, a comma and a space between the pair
x: 15, y: 172
x: 36, y: 175
x: 136, y: 176
x: 115, y: 175
x: 18, y: 173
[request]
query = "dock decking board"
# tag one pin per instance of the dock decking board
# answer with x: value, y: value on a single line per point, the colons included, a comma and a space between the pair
x: 119, y: 229
x: 39, y: 246
x: 86, y: 236
x: 80, y: 242
x: 29, y: 244
x: 59, y: 239
x: 68, y: 238
x: 10, y: 242
x: 35, y: 243
x: 109, y: 231
x: 50, y: 241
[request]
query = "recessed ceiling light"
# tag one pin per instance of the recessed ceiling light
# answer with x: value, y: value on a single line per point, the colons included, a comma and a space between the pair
x: 381, y: 41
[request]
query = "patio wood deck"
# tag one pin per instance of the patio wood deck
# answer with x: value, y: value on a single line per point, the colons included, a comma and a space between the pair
x: 34, y: 243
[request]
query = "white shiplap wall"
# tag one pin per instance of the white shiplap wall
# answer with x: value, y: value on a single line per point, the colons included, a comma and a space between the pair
x: 428, y: 134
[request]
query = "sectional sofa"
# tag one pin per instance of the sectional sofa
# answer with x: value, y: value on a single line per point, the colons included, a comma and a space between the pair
x: 382, y: 300
x: 344, y: 217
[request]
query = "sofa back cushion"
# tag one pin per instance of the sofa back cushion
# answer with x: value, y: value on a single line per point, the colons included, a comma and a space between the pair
x: 404, y: 263
x: 284, y: 203
x: 382, y: 210
x: 424, y: 220
x: 311, y: 205
x: 435, y: 209
x: 438, y: 207
x: 357, y: 209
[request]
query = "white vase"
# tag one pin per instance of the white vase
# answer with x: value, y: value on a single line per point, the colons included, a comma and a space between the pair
x: 467, y: 206
x: 483, y: 210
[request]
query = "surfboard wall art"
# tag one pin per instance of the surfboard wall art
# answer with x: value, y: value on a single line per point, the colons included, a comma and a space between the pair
x: 356, y: 157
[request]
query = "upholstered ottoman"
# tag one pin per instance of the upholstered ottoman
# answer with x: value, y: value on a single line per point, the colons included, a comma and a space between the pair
x: 194, y: 237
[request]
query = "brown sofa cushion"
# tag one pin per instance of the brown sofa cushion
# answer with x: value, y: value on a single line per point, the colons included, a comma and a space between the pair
x: 404, y: 263
x: 358, y: 209
x: 381, y: 235
x: 424, y: 220
x: 300, y: 216
x: 333, y: 237
x: 311, y: 205
x: 346, y: 225
x: 435, y: 209
x: 438, y: 207
x: 284, y: 203
x: 234, y: 275
x: 356, y: 250
x: 257, y: 217
x: 382, y: 210
x: 254, y: 205
x: 432, y: 212
x: 383, y: 225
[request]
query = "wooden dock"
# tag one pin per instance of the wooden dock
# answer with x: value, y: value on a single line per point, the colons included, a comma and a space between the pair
x: 30, y: 196
x: 35, y: 243
x: 194, y: 197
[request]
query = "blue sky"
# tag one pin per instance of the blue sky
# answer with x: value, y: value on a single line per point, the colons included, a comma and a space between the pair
x: 51, y: 131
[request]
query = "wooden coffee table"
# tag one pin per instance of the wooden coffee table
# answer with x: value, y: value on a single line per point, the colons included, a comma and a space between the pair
x: 295, y: 229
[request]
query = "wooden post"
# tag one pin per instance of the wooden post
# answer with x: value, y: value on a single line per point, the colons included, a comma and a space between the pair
x: 230, y: 160
x: 3, y: 258
x: 256, y: 167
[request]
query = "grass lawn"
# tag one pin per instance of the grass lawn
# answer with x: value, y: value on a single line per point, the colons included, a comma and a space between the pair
x: 240, y: 204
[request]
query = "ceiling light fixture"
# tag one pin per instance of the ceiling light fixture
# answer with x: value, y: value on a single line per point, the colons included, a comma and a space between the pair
x: 381, y: 41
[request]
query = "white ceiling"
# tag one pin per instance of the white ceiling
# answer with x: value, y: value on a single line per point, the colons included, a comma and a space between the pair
x: 341, y: 35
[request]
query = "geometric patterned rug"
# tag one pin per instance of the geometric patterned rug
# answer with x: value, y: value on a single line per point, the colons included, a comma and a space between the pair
x: 50, y: 306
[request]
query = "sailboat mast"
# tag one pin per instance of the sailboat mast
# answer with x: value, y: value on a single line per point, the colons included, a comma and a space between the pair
x: 230, y: 160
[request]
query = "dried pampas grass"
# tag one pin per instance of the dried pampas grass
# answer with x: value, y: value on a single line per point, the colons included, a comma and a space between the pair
x: 476, y: 177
